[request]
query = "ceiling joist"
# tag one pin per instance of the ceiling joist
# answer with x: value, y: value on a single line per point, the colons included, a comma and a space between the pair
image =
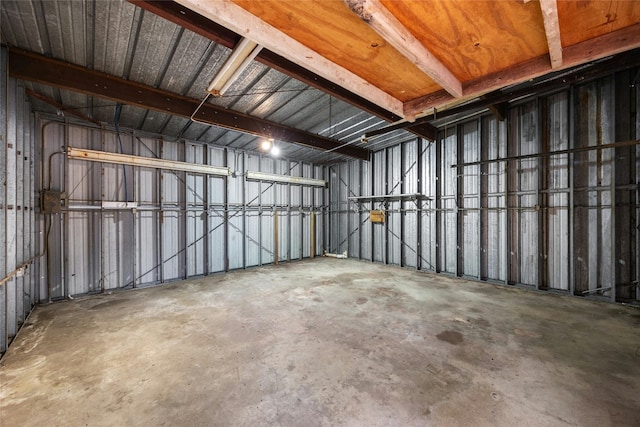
x: 378, y: 17
x: 40, y: 69
x: 552, y: 30
x: 247, y: 25
x: 609, y: 44
x: 186, y: 18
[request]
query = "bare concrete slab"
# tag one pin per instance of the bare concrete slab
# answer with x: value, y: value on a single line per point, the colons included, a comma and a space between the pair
x: 325, y: 343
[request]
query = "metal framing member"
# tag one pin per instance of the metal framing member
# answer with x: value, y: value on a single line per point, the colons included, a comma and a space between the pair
x: 542, y: 198
x: 160, y: 234
x: 419, y: 189
x: 459, y: 271
x: 348, y: 213
x: 552, y: 153
x: 479, y: 146
x: 402, y: 189
x: 206, y: 207
x: 570, y: 161
x: 385, y: 166
x: 225, y: 227
x: 438, y: 190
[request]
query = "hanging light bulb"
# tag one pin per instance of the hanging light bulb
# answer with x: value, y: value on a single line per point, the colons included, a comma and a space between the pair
x: 266, y: 144
x: 275, y: 151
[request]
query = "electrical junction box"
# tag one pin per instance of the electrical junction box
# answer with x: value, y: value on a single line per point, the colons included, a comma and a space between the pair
x: 376, y: 216
x: 52, y: 201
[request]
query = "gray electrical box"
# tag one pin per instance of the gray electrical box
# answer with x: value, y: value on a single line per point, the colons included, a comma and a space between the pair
x: 52, y: 201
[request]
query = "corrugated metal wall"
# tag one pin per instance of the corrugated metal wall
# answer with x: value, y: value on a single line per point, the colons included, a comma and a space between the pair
x: 185, y: 224
x: 566, y: 221
x: 19, y: 229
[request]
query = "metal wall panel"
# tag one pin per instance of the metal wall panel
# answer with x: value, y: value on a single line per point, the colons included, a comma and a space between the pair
x: 20, y: 257
x: 503, y: 207
x: 184, y: 224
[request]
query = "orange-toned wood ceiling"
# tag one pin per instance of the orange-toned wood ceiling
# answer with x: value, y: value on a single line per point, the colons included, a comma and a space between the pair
x: 412, y: 56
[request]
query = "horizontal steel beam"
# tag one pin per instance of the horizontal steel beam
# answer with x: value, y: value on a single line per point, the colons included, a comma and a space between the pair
x: 37, y: 68
x: 150, y: 162
x: 192, y: 21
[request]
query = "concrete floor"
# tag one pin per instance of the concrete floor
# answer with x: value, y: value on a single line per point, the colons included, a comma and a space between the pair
x: 329, y: 343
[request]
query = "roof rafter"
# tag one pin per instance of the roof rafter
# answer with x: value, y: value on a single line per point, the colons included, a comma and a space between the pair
x: 609, y: 44
x: 552, y: 29
x: 378, y: 17
x: 40, y: 69
x: 244, y: 23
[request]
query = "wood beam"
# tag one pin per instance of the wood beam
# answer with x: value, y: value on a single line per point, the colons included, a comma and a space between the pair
x: 581, y: 53
x: 552, y: 29
x: 378, y: 17
x: 605, y: 67
x: 186, y: 18
x: 239, y: 20
x: 37, y: 68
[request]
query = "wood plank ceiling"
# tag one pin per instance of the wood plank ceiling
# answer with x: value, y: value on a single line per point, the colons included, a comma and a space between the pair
x: 410, y: 57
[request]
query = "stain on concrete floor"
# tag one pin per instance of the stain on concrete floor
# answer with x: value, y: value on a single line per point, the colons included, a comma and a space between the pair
x: 325, y: 343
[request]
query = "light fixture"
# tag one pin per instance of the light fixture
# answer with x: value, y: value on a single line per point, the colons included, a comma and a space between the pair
x: 266, y: 144
x: 275, y: 151
x: 242, y: 55
x: 125, y: 159
x: 264, y: 176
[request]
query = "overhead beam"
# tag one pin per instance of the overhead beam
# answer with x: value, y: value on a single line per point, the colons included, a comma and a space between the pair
x: 242, y: 22
x: 63, y: 108
x: 557, y: 80
x: 581, y: 53
x: 552, y: 30
x: 383, y: 22
x: 192, y: 21
x: 37, y: 68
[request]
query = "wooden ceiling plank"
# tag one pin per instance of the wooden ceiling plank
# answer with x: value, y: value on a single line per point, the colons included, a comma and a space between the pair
x: 382, y: 21
x: 40, y: 69
x: 590, y: 50
x: 242, y: 22
x: 552, y: 29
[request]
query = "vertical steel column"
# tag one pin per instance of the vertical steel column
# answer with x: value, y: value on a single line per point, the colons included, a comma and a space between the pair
x: 64, y: 217
x: 419, y: 190
x: 402, y: 202
x: 206, y: 207
x: 301, y: 213
x: 160, y: 218
x: 102, y: 219
x: 385, y: 174
x: 570, y: 172
x: 289, y: 234
x: 438, y: 202
x: 225, y: 204
x: 373, y: 190
x: 185, y: 224
x: 244, y: 211
x: 507, y: 217
x: 275, y: 237
x: 479, y: 146
x: 19, y: 205
x: 459, y: 197
x: 4, y: 147
x: 346, y: 202
x: 358, y: 213
x: 135, y: 149
x: 542, y: 199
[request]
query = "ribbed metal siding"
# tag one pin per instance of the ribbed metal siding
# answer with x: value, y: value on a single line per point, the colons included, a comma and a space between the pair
x: 20, y: 257
x: 566, y: 222
x: 185, y: 224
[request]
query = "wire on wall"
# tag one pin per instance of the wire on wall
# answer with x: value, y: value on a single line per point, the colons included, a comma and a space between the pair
x: 116, y: 120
